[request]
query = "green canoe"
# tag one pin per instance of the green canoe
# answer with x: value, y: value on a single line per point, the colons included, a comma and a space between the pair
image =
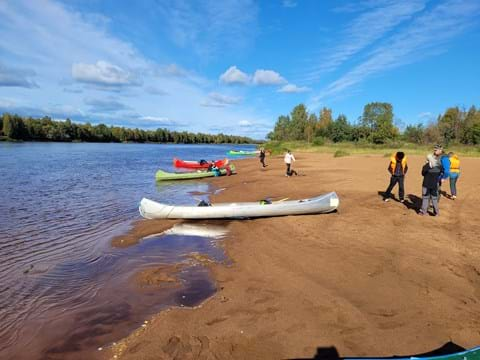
x: 163, y: 175
x: 243, y: 152
x: 472, y: 354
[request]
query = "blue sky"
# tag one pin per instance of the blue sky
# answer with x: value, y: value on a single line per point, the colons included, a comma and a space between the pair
x: 234, y: 66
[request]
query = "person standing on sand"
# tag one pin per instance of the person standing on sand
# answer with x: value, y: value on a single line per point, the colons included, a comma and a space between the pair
x: 454, y: 174
x: 398, y: 169
x: 289, y: 159
x: 262, y: 157
x: 445, y: 161
x: 431, y: 172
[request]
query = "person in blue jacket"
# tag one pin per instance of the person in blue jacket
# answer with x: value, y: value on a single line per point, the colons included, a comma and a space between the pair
x: 445, y: 162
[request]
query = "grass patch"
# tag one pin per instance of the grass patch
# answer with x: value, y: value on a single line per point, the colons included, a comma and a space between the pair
x: 386, y: 150
x: 341, y: 153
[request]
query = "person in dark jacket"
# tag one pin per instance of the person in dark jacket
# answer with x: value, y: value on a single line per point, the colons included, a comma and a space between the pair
x: 398, y: 169
x: 262, y: 157
x: 431, y: 172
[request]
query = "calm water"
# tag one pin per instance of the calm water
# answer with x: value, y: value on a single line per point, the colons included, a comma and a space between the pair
x: 60, y: 205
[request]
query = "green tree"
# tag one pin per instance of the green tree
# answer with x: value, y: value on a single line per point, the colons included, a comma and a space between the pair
x: 298, y: 123
x: 378, y: 119
x: 324, y: 122
x: 471, y: 124
x: 281, y: 129
x: 340, y: 129
x: 414, y: 133
x: 7, y: 125
x: 14, y: 127
x: 432, y: 134
x: 310, y: 127
x: 450, y: 124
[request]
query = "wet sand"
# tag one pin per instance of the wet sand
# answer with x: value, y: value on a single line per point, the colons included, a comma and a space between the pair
x: 374, y: 279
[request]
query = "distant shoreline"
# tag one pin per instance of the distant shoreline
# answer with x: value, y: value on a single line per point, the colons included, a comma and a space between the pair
x: 5, y: 139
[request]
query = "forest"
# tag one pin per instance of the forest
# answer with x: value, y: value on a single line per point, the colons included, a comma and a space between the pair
x: 15, y: 127
x: 377, y: 126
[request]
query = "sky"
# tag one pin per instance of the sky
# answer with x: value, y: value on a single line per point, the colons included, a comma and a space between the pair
x: 234, y: 66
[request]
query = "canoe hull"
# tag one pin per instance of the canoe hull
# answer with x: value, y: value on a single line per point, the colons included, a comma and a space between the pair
x: 472, y: 354
x: 165, y: 176
x: 243, y: 153
x: 196, y: 165
x: 321, y: 204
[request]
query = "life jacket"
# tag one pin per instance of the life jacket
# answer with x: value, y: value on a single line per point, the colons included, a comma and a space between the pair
x: 393, y: 163
x: 454, y: 164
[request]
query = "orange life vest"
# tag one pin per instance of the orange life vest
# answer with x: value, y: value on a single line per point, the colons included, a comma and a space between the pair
x: 393, y: 163
x: 454, y: 164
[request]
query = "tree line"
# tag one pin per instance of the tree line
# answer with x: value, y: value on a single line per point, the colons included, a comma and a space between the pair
x: 45, y: 129
x: 376, y: 126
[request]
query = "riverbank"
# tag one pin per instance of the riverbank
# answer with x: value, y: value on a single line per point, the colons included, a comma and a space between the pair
x: 373, y: 279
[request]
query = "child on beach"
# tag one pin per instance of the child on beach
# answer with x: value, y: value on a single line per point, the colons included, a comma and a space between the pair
x: 213, y: 167
x: 431, y: 172
x: 289, y: 159
x: 454, y: 174
x: 398, y: 169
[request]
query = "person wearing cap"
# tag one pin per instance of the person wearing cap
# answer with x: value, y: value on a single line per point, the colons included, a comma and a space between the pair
x: 432, y: 171
x: 398, y: 169
x: 454, y: 174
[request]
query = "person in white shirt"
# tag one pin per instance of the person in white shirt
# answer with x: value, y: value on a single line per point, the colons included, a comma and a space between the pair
x: 289, y: 158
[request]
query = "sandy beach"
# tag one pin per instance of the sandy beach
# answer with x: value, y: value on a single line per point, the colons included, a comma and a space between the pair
x: 373, y: 279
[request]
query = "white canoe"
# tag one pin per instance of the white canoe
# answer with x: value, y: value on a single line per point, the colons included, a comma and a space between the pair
x: 321, y: 204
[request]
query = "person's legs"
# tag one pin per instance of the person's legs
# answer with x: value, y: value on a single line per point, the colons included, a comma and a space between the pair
x: 439, y: 190
x: 401, y: 188
x: 425, y: 200
x: 388, y: 192
x: 288, y: 170
x: 453, y: 186
x: 435, y: 196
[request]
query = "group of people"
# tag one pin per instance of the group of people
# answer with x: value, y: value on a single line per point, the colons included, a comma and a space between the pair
x: 437, y: 169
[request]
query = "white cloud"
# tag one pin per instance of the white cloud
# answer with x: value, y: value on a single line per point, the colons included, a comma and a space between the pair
x: 268, y: 77
x: 210, y: 26
x: 234, y: 76
x: 155, y: 91
x: 160, y: 121
x: 31, y: 31
x: 425, y: 36
x: 245, y: 123
x: 103, y: 73
x: 220, y: 100
x: 292, y: 88
x: 366, y: 29
x: 175, y: 70
x: 425, y: 115
x: 109, y: 104
x: 15, y: 77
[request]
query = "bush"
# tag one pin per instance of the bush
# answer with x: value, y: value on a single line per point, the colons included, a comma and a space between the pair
x: 319, y: 141
x: 341, y: 153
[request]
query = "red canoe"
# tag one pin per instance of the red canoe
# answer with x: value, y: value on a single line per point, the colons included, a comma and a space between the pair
x: 196, y: 164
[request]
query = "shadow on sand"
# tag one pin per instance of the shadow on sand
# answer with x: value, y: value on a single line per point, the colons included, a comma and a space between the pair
x: 412, y: 202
